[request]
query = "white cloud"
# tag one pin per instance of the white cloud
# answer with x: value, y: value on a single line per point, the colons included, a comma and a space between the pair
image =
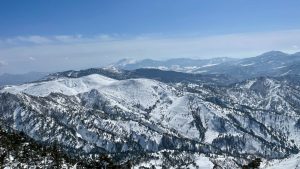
x: 105, y: 37
x: 21, y: 40
x: 2, y: 63
x: 51, y: 53
x: 68, y: 38
x: 57, y: 39
x: 31, y: 58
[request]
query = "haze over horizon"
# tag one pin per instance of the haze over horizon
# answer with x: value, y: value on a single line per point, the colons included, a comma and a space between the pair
x: 54, y: 36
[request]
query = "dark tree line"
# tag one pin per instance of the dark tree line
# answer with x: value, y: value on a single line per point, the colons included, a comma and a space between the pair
x: 27, y: 151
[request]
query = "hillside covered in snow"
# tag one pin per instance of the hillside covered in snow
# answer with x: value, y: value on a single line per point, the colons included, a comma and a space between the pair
x: 151, y: 121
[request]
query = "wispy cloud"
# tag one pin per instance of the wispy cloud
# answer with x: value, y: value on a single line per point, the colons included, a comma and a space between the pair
x: 52, y: 40
x: 68, y: 38
x: 50, y: 53
x: 27, y: 39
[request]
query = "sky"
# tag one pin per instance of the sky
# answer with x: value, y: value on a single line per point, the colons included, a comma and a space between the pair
x: 56, y: 35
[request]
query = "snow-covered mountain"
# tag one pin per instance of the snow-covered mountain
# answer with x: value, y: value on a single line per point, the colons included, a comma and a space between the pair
x: 274, y: 63
x: 170, y: 123
x: 178, y: 64
x: 156, y: 74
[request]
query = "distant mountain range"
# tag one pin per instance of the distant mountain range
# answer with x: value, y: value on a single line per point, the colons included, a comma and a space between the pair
x: 14, y: 79
x: 274, y: 63
x: 179, y: 64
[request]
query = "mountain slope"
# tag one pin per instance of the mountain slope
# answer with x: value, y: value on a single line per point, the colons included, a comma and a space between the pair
x: 96, y: 114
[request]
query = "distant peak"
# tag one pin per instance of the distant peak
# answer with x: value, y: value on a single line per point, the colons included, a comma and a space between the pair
x: 125, y: 61
x: 273, y: 53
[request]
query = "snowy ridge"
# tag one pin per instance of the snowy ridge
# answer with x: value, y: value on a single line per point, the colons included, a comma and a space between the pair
x: 67, y: 86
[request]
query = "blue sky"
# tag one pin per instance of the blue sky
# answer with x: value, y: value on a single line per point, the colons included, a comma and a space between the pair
x: 80, y: 34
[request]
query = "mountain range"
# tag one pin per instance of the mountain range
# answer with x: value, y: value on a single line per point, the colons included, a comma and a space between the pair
x: 273, y: 63
x: 222, y: 119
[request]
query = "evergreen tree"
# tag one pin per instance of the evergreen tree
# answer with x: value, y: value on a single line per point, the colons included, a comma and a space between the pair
x: 253, y: 164
x: 2, y: 158
x: 56, y: 154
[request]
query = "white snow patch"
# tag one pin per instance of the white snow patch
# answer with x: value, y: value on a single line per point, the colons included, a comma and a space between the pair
x: 249, y: 64
x: 280, y: 67
x: 249, y: 84
x: 210, y: 135
x: 209, y: 65
x: 201, y: 163
x: 283, y: 74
